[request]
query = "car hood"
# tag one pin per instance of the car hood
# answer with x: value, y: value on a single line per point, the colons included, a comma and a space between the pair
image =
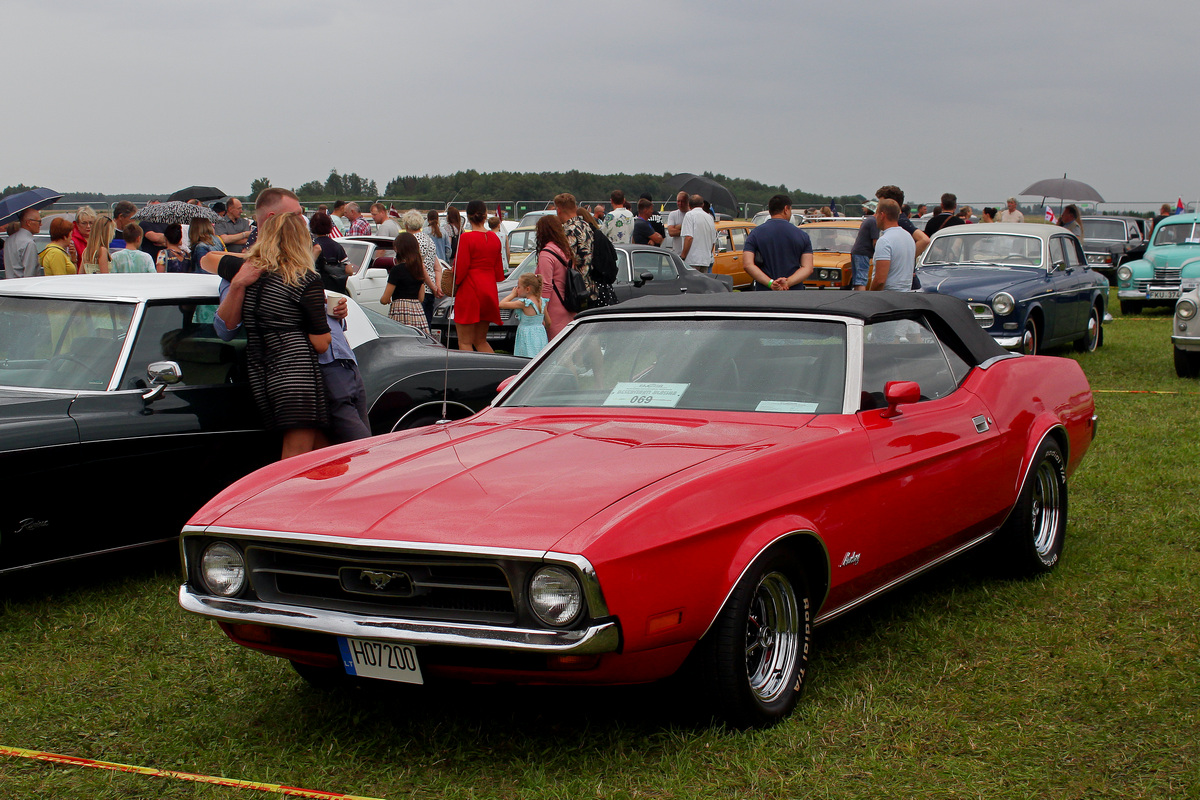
x: 496, y: 480
x: 976, y: 283
x: 1173, y: 256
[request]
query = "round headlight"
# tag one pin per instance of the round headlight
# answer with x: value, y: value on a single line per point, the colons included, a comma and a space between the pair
x: 1185, y: 309
x: 223, y: 569
x: 555, y: 595
x: 1124, y: 273
x: 1003, y: 304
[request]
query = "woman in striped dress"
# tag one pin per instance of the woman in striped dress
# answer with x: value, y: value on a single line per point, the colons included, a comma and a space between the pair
x: 284, y: 316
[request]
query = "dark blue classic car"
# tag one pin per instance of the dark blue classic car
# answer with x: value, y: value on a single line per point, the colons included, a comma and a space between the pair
x: 1028, y: 285
x: 121, y: 412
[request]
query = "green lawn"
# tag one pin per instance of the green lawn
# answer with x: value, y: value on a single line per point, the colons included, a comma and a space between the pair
x: 1083, y: 684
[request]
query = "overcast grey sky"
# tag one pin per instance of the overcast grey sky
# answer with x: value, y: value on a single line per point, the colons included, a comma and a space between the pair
x: 977, y: 98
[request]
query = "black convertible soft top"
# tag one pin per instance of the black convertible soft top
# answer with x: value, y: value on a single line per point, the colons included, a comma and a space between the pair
x: 950, y: 317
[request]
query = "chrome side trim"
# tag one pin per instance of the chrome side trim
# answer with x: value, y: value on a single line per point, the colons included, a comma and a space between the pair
x: 90, y: 554
x: 858, y: 601
x: 603, y: 637
x: 995, y: 359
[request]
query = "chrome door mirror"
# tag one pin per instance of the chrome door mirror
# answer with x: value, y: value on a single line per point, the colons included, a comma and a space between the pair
x: 161, y: 375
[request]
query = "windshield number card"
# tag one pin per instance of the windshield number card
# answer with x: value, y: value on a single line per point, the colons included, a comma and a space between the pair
x: 385, y: 660
x: 646, y: 395
x: 786, y: 407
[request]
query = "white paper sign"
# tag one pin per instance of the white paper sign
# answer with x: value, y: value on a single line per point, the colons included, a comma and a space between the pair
x: 646, y: 395
x: 786, y: 407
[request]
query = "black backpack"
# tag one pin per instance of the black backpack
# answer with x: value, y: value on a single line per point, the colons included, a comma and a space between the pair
x: 604, y: 258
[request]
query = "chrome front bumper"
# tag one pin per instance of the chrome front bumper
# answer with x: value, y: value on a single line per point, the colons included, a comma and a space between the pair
x: 603, y: 637
x: 1186, y: 342
x: 1008, y: 342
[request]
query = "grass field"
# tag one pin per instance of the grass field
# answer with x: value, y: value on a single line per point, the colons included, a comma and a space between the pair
x: 1082, y: 684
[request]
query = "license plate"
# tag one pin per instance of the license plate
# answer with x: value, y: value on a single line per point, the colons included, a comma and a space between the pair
x: 384, y: 660
x: 1162, y: 294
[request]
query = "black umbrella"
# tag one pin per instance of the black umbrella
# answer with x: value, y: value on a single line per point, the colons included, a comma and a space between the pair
x: 1064, y: 189
x: 707, y: 188
x: 200, y: 193
x: 174, y: 211
x: 14, y: 205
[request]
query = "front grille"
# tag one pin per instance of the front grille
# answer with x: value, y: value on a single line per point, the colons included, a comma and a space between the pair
x: 450, y: 588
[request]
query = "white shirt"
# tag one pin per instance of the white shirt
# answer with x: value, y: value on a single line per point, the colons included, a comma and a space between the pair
x: 389, y: 228
x: 699, y: 225
x: 674, y: 242
x: 896, y: 246
x: 1011, y: 216
x: 618, y: 226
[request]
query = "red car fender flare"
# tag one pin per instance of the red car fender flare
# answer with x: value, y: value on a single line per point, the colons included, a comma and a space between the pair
x: 798, y: 532
x: 1049, y: 428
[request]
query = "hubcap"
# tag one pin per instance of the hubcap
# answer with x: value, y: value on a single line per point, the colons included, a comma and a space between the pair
x: 1046, y: 508
x: 772, y: 636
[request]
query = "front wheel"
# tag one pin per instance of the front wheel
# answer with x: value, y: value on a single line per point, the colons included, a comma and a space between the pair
x: 1029, y: 338
x: 1032, y: 536
x: 1187, y: 363
x: 756, y: 654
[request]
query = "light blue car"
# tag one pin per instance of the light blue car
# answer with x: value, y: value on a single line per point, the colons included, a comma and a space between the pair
x: 1172, y: 257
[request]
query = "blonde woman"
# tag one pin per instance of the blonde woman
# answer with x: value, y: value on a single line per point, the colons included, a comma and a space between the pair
x: 284, y: 317
x: 203, y: 239
x: 95, y: 256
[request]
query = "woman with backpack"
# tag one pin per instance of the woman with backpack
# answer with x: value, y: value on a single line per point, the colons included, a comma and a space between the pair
x: 553, y: 260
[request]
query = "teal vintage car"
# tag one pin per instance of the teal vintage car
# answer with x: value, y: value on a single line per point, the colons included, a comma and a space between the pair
x: 1172, y: 257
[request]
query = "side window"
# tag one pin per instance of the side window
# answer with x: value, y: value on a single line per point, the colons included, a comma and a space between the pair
x: 183, y: 334
x: 1074, y: 252
x: 738, y: 235
x: 1057, y: 255
x: 907, y: 350
x: 722, y: 241
x: 657, y: 264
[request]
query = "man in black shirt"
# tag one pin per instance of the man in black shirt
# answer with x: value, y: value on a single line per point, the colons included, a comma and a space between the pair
x: 643, y: 229
x: 945, y: 218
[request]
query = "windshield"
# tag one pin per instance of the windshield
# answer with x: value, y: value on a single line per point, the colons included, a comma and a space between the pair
x: 532, y: 217
x: 522, y: 241
x: 827, y: 239
x: 61, y: 344
x: 995, y: 248
x: 782, y: 366
x: 1109, y: 229
x: 1179, y: 233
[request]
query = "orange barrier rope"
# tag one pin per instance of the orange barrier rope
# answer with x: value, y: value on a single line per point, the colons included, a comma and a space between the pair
x: 1135, y: 391
x: 289, y: 791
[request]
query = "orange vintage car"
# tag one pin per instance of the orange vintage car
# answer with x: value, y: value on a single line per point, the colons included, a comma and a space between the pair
x: 731, y: 236
x: 831, y: 243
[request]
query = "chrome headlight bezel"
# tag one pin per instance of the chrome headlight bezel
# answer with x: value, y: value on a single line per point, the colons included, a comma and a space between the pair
x: 556, y: 596
x: 222, y: 569
x: 1124, y: 273
x: 1185, y: 309
x: 1003, y: 304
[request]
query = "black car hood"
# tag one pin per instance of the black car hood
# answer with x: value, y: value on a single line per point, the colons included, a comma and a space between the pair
x: 976, y: 283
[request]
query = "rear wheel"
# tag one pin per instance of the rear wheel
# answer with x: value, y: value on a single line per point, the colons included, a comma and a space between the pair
x: 1093, y: 336
x: 1032, y: 536
x: 755, y: 657
x: 1187, y: 363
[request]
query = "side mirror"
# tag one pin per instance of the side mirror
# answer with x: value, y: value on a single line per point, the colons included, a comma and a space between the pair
x: 899, y: 392
x: 161, y: 375
x: 643, y: 277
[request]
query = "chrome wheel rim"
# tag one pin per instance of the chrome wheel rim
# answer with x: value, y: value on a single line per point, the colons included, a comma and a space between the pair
x: 1046, y: 508
x: 772, y: 637
x: 1093, y: 330
x: 1028, y: 340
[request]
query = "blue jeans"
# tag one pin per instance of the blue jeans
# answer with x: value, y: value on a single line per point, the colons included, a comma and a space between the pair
x: 862, y: 269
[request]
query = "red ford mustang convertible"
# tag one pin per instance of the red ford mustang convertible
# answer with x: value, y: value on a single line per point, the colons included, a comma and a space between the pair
x: 681, y: 481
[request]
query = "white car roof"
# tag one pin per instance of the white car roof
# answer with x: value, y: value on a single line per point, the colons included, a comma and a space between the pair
x: 1043, y: 232
x: 131, y: 287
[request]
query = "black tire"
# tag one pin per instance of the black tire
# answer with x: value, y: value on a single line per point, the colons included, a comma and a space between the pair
x: 1187, y: 363
x: 1031, y: 539
x: 1029, y: 338
x: 754, y: 659
x: 1093, y: 336
x: 1130, y: 308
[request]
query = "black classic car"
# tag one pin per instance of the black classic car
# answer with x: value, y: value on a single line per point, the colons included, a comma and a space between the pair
x: 1108, y: 241
x: 122, y: 412
x: 1028, y: 285
x: 642, y: 270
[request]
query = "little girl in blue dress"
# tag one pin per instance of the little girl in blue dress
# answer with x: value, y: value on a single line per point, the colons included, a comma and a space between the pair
x: 531, y: 329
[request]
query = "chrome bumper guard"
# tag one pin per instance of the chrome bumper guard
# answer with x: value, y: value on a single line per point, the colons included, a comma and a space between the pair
x: 1186, y: 342
x: 1008, y: 342
x: 603, y: 637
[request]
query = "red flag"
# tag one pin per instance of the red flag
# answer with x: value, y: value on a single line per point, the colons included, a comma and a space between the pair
x: 1179, y: 206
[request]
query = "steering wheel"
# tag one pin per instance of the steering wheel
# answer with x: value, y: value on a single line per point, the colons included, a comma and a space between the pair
x: 71, y: 358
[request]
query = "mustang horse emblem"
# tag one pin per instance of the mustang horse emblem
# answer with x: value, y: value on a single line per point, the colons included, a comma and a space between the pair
x: 378, y: 580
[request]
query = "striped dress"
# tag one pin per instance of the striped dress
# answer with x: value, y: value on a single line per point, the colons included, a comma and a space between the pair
x: 285, y: 378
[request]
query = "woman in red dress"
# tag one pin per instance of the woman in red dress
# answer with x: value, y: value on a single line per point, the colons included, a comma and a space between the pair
x: 477, y: 270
